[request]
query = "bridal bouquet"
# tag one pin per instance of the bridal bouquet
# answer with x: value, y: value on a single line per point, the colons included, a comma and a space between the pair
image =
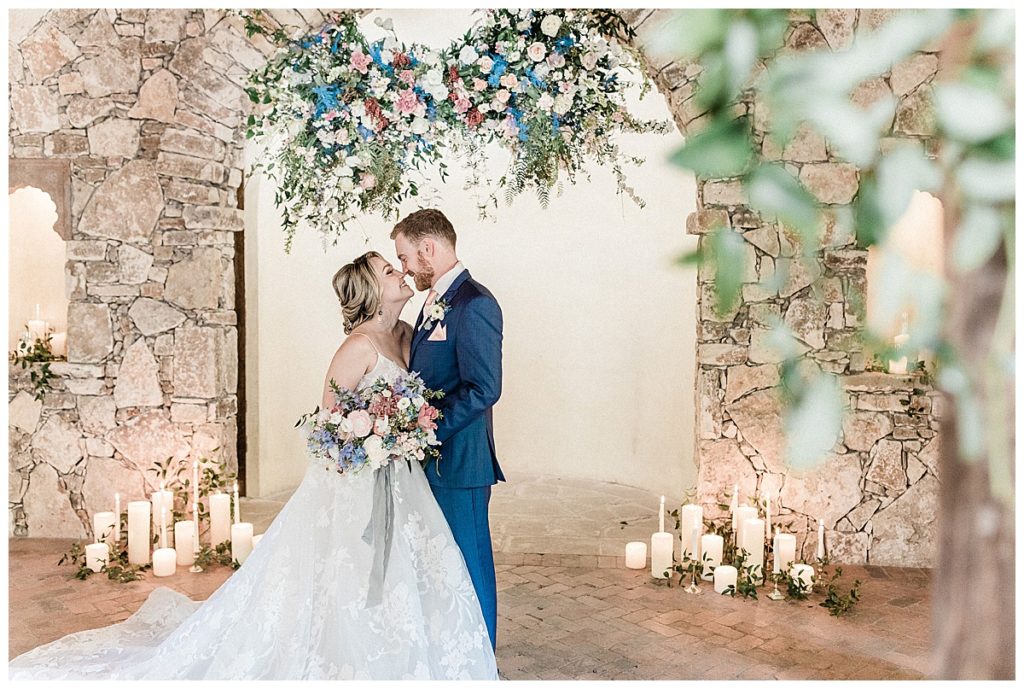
x: 384, y: 422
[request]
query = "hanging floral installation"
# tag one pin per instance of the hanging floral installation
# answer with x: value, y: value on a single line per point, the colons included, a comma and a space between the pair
x: 350, y: 127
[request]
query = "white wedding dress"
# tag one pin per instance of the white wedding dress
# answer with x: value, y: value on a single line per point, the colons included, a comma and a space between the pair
x: 297, y: 608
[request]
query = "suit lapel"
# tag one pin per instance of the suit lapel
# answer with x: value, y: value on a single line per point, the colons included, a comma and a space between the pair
x: 418, y: 333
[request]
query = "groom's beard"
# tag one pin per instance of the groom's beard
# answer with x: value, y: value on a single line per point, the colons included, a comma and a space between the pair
x: 424, y: 278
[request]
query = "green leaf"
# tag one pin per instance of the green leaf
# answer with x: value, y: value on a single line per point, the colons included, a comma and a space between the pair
x: 871, y: 228
x: 987, y: 180
x: 814, y: 423
x: 722, y: 150
x: 772, y: 190
x: 971, y: 114
x: 977, y: 237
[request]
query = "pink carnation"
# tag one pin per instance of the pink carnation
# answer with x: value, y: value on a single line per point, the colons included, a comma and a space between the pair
x: 426, y: 418
x: 462, y: 104
x: 407, y: 102
x: 361, y: 61
x: 362, y: 424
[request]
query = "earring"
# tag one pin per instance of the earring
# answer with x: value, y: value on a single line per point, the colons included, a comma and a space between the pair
x: 380, y: 316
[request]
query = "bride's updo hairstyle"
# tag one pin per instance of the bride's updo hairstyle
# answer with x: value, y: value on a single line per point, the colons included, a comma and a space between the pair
x: 358, y: 291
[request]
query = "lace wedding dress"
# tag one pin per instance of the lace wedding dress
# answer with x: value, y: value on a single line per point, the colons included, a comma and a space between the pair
x: 297, y: 608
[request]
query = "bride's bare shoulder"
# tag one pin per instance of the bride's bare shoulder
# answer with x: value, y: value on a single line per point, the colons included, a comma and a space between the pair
x: 353, y: 358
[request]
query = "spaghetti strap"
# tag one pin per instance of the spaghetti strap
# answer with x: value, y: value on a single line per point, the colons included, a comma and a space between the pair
x: 370, y: 341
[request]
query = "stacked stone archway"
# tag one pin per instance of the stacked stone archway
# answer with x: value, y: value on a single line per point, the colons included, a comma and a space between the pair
x: 147, y: 107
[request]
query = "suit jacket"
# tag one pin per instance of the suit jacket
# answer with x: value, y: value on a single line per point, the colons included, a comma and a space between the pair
x: 466, y: 365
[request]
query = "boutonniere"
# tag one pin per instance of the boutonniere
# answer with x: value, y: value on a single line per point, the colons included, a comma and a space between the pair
x: 435, y: 314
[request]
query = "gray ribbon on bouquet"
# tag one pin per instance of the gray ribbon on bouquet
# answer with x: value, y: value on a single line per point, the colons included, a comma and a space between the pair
x: 380, y: 531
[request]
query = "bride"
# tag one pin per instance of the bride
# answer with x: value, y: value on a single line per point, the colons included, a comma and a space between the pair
x: 300, y: 607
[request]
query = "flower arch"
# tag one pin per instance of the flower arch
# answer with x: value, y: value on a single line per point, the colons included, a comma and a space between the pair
x: 349, y: 123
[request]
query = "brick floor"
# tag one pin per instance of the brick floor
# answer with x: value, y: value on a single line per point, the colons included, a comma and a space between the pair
x: 574, y: 617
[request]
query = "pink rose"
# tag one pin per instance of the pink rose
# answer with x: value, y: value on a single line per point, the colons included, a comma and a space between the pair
x: 362, y: 424
x: 555, y: 60
x: 368, y: 181
x: 503, y: 95
x: 462, y: 104
x: 407, y: 102
x: 361, y: 61
x: 509, y: 81
x: 479, y: 84
x: 407, y: 76
x: 426, y: 418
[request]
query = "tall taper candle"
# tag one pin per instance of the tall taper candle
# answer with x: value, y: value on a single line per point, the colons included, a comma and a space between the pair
x: 690, y: 516
x: 661, y: 515
x: 768, y: 517
x: 117, y: 518
x: 237, y: 511
x: 820, y: 554
x: 163, y: 528
x: 735, y: 503
x: 138, y: 532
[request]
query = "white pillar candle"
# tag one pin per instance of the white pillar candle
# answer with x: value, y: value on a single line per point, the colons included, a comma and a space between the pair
x: 138, y: 532
x: 661, y: 553
x: 753, y: 543
x: 59, y: 344
x: 183, y: 537
x: 103, y: 527
x: 899, y: 365
x: 820, y: 553
x: 785, y: 551
x: 661, y: 515
x: 241, y: 541
x: 259, y: 537
x: 161, y: 499
x: 712, y: 546
x: 805, y: 573
x: 117, y: 518
x: 743, y: 513
x: 36, y: 329
x: 164, y: 562
x: 220, y: 518
x: 725, y: 576
x: 96, y: 556
x: 691, y: 517
x: 636, y: 555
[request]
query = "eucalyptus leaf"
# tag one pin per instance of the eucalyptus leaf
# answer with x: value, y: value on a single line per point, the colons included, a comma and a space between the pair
x: 772, y: 190
x: 901, y: 173
x: 690, y: 33
x: 727, y: 253
x: 740, y: 51
x: 977, y: 237
x: 852, y: 132
x: 987, y: 180
x: 971, y: 114
x: 814, y: 423
x: 722, y: 150
x: 996, y: 31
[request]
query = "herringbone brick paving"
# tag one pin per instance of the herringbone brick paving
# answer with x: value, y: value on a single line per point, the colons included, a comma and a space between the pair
x: 574, y: 617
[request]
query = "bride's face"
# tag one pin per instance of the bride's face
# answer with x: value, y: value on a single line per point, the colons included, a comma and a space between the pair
x: 394, y: 288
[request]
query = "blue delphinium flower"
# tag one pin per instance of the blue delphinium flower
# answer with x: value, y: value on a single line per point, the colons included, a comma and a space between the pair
x: 563, y: 44
x: 367, y: 134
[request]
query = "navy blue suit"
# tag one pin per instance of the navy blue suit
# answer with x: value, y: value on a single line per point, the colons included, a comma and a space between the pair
x: 467, y: 367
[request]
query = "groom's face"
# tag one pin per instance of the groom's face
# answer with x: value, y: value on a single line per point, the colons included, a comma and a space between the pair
x: 415, y: 262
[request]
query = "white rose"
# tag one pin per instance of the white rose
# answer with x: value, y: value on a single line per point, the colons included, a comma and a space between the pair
x: 550, y: 25
x: 433, y: 76
x: 503, y: 95
x: 336, y: 418
x: 468, y: 55
x: 386, y: 393
x: 514, y: 56
x: 404, y: 403
x: 346, y: 184
x: 345, y: 426
x: 375, y: 451
x: 589, y: 60
x: 545, y: 102
x: 536, y: 51
x: 563, y: 102
x: 419, y: 126
x: 485, y: 64
x: 418, y: 401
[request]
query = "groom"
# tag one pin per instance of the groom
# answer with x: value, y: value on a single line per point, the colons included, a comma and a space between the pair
x: 456, y: 347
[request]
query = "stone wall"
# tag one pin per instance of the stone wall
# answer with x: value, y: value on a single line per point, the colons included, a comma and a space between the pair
x: 148, y: 107
x: 877, y: 490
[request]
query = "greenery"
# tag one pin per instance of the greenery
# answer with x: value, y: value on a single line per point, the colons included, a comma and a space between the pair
x: 117, y: 568
x: 220, y: 555
x: 40, y: 351
x: 837, y: 602
x: 752, y: 95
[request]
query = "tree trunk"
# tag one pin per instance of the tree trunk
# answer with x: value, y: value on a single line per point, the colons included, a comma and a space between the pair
x: 973, y: 603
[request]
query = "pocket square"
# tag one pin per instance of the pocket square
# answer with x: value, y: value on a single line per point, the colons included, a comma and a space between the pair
x: 439, y: 334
